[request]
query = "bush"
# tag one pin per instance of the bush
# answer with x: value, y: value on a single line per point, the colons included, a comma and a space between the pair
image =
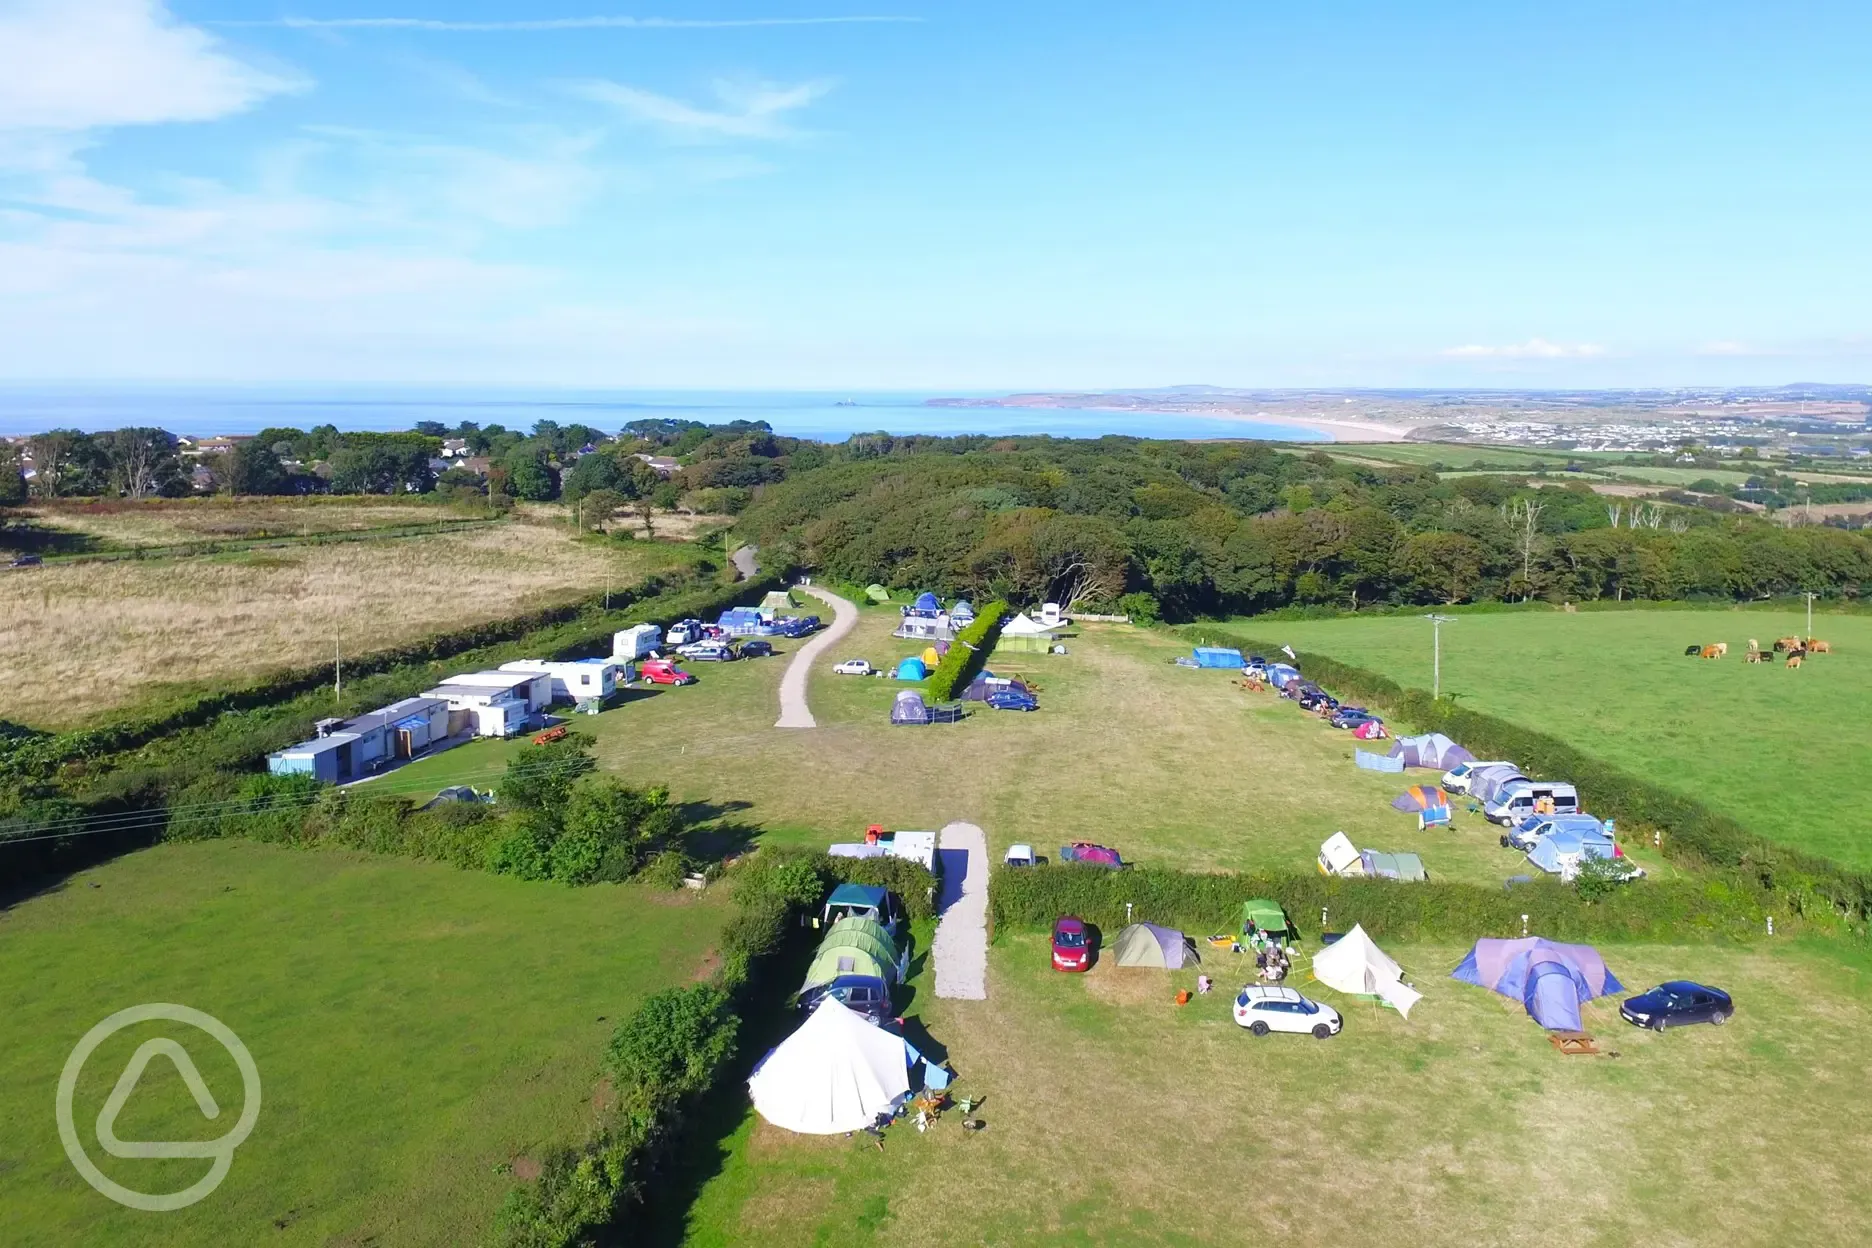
x: 674, y: 1042
x: 967, y: 653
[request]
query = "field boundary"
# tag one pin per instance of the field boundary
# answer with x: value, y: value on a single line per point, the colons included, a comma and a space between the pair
x: 1690, y: 832
x: 235, y: 545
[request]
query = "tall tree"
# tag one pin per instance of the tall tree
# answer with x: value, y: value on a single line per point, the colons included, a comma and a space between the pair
x: 142, y: 461
x: 66, y: 462
x: 12, y: 484
x: 253, y: 468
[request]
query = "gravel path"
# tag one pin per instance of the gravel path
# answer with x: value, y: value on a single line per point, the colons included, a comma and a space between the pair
x: 961, y: 945
x: 794, y: 713
x: 743, y: 559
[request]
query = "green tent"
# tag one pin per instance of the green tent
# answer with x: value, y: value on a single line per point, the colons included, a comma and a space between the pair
x: 877, y: 593
x: 1267, y: 916
x: 833, y: 961
x: 1386, y: 866
x: 869, y: 928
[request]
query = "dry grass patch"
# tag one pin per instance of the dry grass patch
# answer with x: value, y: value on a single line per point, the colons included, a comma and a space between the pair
x: 88, y: 638
x: 171, y: 521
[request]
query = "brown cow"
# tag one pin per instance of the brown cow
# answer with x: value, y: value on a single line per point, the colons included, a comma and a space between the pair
x: 1754, y: 656
x: 1711, y: 652
x: 1787, y: 643
x: 1816, y: 646
x: 1794, y: 659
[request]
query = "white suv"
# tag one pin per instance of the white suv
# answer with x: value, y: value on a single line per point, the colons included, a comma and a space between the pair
x: 853, y: 667
x: 1263, y: 1009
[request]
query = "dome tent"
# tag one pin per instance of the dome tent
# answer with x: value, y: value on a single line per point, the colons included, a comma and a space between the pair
x: 912, y: 668
x: 877, y: 593
x: 909, y: 708
x: 927, y: 601
x: 1549, y: 978
x: 930, y: 658
x: 1146, y: 944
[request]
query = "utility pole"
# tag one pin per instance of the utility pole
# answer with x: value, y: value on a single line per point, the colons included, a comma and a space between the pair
x: 337, y: 672
x: 1810, y: 598
x: 1436, y: 652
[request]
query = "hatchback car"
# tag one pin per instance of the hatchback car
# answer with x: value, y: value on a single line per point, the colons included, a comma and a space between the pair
x: 26, y: 561
x: 867, y: 994
x: 1262, y: 1009
x: 1677, y: 1004
x: 756, y: 649
x: 1072, y: 951
x: 1352, y: 717
x: 853, y: 667
x: 1012, y: 700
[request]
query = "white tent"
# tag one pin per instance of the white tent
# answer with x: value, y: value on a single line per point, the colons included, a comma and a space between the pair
x: 1354, y: 964
x: 837, y: 1073
x: 1022, y: 626
x: 1338, y: 856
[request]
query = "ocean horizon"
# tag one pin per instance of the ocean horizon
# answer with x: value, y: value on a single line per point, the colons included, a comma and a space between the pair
x: 829, y: 416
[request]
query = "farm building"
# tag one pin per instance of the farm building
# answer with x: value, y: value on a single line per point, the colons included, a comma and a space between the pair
x: 495, y: 704
x: 347, y: 749
x: 575, y: 680
x: 1025, y: 635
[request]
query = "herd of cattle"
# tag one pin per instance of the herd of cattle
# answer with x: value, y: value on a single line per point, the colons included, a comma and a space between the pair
x: 1795, y: 648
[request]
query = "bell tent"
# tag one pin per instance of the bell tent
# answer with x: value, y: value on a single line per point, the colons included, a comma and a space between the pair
x: 1552, y: 980
x: 1354, y: 964
x: 1146, y: 944
x: 836, y: 1074
x: 1432, y: 750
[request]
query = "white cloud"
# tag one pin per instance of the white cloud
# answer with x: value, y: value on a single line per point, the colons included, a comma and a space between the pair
x: 447, y: 25
x: 73, y: 65
x: 755, y: 111
x: 1532, y: 349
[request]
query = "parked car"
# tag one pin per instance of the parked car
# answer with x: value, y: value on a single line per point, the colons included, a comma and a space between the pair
x: 683, y: 632
x: 1350, y: 717
x: 756, y: 649
x: 1262, y: 1009
x: 1456, y: 779
x: 1528, y: 833
x: 853, y: 667
x: 1091, y: 855
x: 1012, y: 700
x: 1072, y: 951
x: 867, y: 994
x: 707, y: 652
x: 26, y: 561
x: 1677, y: 1004
x: 664, y: 672
x: 1021, y: 856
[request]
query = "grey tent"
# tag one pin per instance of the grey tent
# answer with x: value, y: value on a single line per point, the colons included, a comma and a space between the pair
x: 1433, y: 750
x: 1146, y: 944
x: 909, y: 708
x: 1486, y: 782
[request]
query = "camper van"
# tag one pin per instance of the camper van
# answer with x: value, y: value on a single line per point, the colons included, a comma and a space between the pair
x: 684, y: 632
x: 639, y: 641
x: 1522, y: 798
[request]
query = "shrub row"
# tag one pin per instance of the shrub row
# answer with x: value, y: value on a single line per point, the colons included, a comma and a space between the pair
x: 968, y: 652
x: 674, y: 1049
x: 1199, y: 904
x: 1691, y: 832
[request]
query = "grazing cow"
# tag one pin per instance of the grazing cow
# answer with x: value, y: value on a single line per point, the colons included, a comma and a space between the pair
x: 1690, y: 652
x: 1794, y: 659
x: 1722, y: 649
x: 1788, y: 643
x: 1711, y: 652
x: 1753, y: 644
x: 1816, y: 646
x: 1753, y: 656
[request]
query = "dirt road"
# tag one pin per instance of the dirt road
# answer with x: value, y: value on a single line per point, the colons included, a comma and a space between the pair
x: 794, y: 713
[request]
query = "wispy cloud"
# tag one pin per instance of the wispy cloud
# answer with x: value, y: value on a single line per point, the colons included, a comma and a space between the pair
x: 1532, y: 349
x: 758, y: 111
x: 600, y: 22
x: 83, y: 64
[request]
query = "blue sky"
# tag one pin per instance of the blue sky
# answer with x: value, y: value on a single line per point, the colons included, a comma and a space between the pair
x: 966, y: 195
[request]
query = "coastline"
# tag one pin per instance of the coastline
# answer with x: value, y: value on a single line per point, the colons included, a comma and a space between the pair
x: 1335, y: 430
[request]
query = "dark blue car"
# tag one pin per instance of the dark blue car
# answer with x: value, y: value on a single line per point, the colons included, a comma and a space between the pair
x: 1676, y: 1004
x: 867, y: 994
x: 1012, y: 700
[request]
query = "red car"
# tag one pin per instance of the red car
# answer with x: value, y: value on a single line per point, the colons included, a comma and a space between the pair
x: 664, y: 672
x: 1072, y: 950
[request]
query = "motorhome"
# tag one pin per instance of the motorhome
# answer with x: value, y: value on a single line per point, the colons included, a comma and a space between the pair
x: 1516, y: 801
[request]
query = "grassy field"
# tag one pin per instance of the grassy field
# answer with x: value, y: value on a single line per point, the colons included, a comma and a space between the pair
x: 418, y: 1031
x: 1777, y: 749
x: 89, y: 638
x: 123, y: 524
x: 1174, y: 767
x: 1114, y: 1117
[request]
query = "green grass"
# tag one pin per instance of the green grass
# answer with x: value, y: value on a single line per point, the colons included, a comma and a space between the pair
x: 1114, y: 1117
x: 1778, y: 749
x: 1174, y: 767
x: 416, y: 1029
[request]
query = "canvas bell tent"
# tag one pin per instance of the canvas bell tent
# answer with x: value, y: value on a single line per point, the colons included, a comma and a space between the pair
x: 837, y: 1073
x: 1433, y: 750
x: 1551, y: 980
x: 1355, y: 964
x: 1146, y: 944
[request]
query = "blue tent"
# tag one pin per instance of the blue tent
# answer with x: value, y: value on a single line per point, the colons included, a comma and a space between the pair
x: 912, y: 669
x: 926, y: 601
x: 1549, y: 978
x: 1219, y: 656
x: 1551, y: 851
x: 1279, y: 674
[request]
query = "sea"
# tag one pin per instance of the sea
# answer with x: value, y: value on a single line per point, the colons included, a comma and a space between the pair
x: 823, y: 415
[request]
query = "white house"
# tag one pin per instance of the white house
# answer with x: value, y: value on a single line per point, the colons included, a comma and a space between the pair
x: 575, y: 680
x: 496, y: 704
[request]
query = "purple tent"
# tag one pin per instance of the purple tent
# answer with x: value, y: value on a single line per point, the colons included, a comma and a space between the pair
x: 1434, y: 750
x: 1549, y: 978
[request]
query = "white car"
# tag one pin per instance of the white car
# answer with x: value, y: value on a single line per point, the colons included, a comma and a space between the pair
x: 1263, y: 1009
x: 1456, y: 779
x: 853, y: 667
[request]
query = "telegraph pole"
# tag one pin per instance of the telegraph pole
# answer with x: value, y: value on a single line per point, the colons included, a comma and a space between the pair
x: 1436, y: 652
x: 337, y: 672
x: 1810, y: 598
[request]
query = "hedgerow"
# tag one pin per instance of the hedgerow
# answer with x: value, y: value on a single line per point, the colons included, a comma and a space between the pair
x: 967, y: 653
x: 1204, y: 903
x: 1688, y: 831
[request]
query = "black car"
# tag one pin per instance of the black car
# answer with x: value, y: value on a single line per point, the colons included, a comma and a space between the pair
x: 867, y: 994
x: 1676, y: 1004
x: 756, y: 649
x: 26, y: 561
